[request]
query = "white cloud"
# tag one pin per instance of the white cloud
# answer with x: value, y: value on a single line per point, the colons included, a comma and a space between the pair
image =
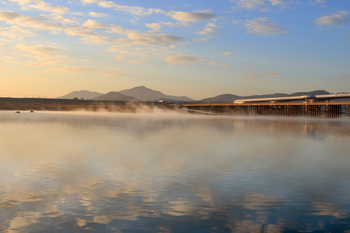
x: 198, y: 40
x: 89, y: 1
x: 252, y: 4
x: 8, y: 15
x: 217, y: 63
x: 60, y: 19
x: 41, y: 5
x: 212, y: 25
x: 191, y: 16
x: 154, y: 26
x: 46, y: 7
x: 94, y: 24
x: 226, y: 54
x: 209, y: 30
x: 39, y: 50
x: 177, y: 24
x: 181, y: 59
x: 277, y: 2
x: 337, y: 19
x: 249, y: 4
x: 139, y: 11
x: 145, y: 39
x: 98, y: 15
x: 28, y: 22
x: 261, y: 26
x: 16, y: 32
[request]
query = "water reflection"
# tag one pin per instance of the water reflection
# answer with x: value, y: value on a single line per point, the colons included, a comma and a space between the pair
x: 67, y: 172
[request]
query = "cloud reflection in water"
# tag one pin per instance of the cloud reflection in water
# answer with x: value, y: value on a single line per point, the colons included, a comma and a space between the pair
x: 172, y: 173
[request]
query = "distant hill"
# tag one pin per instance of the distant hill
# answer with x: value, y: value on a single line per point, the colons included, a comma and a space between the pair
x: 225, y: 98
x: 317, y: 92
x: 146, y: 94
x: 140, y: 93
x: 81, y: 94
x: 176, y: 98
x: 228, y: 98
x: 115, y: 96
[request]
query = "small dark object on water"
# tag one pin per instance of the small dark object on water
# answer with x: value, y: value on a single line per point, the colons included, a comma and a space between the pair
x: 32, y: 110
x: 18, y: 112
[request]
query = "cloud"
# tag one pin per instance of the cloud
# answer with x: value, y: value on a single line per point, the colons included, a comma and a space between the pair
x: 144, y: 39
x: 139, y: 11
x: 209, y: 30
x: 252, y: 4
x: 60, y: 19
x: 212, y: 25
x: 28, y: 22
x: 177, y: 24
x: 226, y: 54
x: 337, y: 19
x: 24, y: 2
x: 249, y: 4
x: 273, y: 73
x: 154, y: 26
x: 98, y: 15
x: 39, y: 50
x: 261, y: 26
x: 46, y: 7
x: 191, y: 16
x: 181, y: 59
x: 16, y: 32
x: 8, y: 15
x: 198, y: 40
x: 217, y: 63
x: 94, y: 24
x: 277, y: 2
x: 41, y: 5
x: 89, y: 1
x: 252, y: 76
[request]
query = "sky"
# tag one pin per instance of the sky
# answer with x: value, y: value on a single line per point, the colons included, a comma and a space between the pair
x: 198, y: 49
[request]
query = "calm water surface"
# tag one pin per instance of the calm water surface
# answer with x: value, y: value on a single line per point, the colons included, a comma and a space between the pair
x: 166, y: 172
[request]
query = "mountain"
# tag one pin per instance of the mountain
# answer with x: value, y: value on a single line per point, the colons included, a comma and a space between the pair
x: 225, y: 98
x: 317, y: 92
x: 176, y: 98
x: 228, y: 98
x: 81, y: 94
x: 115, y: 96
x: 146, y: 94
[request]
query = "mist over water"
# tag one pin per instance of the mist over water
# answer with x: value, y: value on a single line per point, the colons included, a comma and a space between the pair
x: 171, y: 172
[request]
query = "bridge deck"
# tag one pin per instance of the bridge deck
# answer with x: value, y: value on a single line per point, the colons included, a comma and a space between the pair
x: 270, y: 104
x: 306, y: 109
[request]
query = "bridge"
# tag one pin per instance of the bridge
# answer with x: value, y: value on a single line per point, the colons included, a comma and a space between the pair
x: 309, y: 106
x: 306, y: 98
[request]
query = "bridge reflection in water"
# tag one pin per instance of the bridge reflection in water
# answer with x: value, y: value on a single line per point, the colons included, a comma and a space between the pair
x: 292, y: 109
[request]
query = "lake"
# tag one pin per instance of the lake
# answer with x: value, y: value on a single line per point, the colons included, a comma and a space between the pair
x: 171, y: 172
